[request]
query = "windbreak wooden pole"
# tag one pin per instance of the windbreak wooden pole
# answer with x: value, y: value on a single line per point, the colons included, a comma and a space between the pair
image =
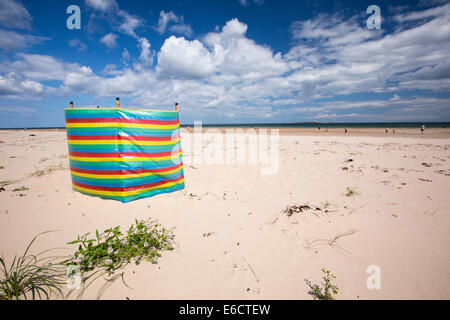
x: 176, y: 106
x: 118, y: 103
x: 71, y: 104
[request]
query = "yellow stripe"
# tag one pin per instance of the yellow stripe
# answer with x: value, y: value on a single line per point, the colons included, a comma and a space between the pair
x: 95, y: 159
x: 126, y: 193
x: 122, y: 125
x: 120, y: 159
x: 134, y: 142
x: 123, y: 176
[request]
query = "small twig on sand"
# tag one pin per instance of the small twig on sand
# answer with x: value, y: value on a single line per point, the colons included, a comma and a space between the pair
x: 256, y: 277
x: 332, y: 243
x: 431, y: 213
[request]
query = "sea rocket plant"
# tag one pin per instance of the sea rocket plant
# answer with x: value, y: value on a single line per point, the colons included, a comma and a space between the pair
x: 112, y: 249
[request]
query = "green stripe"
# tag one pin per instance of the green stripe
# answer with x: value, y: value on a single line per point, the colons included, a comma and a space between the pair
x: 123, y: 146
x: 128, y: 181
x: 134, y: 146
x: 138, y: 196
x: 120, y: 165
x: 162, y: 132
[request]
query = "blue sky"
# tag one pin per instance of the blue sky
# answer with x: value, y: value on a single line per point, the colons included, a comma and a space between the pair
x: 230, y: 61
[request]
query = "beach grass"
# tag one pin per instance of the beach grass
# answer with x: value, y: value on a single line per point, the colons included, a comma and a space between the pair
x: 22, y: 188
x: 31, y: 276
x: 7, y: 182
x: 50, y: 169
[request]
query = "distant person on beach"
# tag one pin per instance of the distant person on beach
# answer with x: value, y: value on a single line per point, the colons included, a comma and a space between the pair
x: 422, y: 128
x: 393, y: 131
x: 387, y: 131
x: 318, y: 127
x: 345, y: 130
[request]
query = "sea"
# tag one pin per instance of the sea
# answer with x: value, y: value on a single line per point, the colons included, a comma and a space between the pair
x: 302, y: 125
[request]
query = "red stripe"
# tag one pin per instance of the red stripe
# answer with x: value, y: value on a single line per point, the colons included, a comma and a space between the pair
x: 124, y: 171
x: 119, y: 137
x: 153, y: 184
x: 123, y: 154
x: 121, y: 120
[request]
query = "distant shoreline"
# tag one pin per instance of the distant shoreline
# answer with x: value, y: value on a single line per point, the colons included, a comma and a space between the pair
x: 368, y: 125
x: 385, y: 131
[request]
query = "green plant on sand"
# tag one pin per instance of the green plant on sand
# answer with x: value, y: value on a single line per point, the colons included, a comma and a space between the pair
x: 350, y: 192
x: 31, y: 276
x: 50, y: 169
x: 112, y: 250
x: 326, y: 290
x: 7, y: 182
x: 43, y: 277
x: 22, y: 188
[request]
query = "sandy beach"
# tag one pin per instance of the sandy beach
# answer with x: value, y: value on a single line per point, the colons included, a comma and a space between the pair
x: 233, y: 239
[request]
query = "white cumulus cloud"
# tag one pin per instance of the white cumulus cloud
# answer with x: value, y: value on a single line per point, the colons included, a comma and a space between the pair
x: 14, y: 15
x: 146, y: 56
x: 180, y: 57
x: 13, y: 84
x: 109, y: 40
x: 175, y: 24
x: 102, y: 5
x: 225, y: 52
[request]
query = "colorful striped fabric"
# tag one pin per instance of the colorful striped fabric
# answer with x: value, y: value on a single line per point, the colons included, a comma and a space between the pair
x: 124, y: 154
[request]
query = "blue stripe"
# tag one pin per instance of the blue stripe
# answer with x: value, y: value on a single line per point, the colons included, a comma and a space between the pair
x: 121, y: 148
x: 132, y: 165
x: 128, y: 182
x: 138, y: 196
x: 107, y: 131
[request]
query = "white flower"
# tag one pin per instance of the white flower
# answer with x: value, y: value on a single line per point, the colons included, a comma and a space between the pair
x: 137, y: 260
x: 146, y: 244
x: 110, y: 250
x: 108, y: 262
